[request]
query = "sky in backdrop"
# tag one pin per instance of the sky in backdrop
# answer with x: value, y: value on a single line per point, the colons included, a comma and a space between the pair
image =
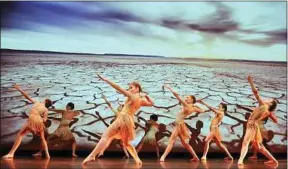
x: 226, y: 30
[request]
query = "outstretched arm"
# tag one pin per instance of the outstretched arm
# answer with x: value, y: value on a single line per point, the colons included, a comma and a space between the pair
x: 57, y: 110
x: 199, y: 109
x: 210, y: 107
x: 109, y: 104
x: 244, y: 108
x: 254, y: 90
x: 45, y: 116
x: 115, y: 86
x: 24, y: 93
x: 147, y: 101
x: 176, y: 95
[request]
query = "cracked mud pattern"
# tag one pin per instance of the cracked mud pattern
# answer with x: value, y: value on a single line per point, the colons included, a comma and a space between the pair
x: 73, y: 79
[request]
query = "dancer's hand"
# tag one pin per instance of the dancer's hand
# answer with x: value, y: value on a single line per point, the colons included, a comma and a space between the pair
x: 166, y: 86
x: 16, y: 86
x: 101, y: 77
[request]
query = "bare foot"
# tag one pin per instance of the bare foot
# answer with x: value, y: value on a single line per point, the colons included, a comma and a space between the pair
x: 203, y: 159
x: 48, y: 157
x: 74, y: 155
x: 162, y: 159
x: 139, y: 162
x: 240, y: 162
x: 253, y: 158
x: 271, y: 162
x: 8, y: 156
x: 37, y: 154
x: 228, y: 158
x: 195, y: 159
x: 88, y: 159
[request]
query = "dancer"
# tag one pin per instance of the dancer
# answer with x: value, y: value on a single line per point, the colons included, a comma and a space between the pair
x: 181, y: 129
x: 265, y: 109
x: 38, y: 115
x: 152, y: 128
x: 123, y: 127
x: 214, y: 130
x: 119, y: 108
x: 63, y: 132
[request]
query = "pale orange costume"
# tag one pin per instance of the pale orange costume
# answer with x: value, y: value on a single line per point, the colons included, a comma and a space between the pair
x: 180, y: 129
x: 35, y: 121
x: 253, y: 123
x: 214, y: 127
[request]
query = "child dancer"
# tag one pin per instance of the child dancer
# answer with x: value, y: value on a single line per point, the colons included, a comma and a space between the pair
x: 38, y: 115
x: 123, y: 127
x: 152, y: 128
x: 214, y: 130
x: 181, y: 129
x: 265, y: 109
x: 63, y: 132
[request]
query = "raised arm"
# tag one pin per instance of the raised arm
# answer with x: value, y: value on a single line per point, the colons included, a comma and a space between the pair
x: 273, y: 117
x: 115, y: 86
x: 210, y: 107
x: 254, y: 90
x: 24, y: 93
x: 45, y: 116
x: 176, y: 95
x: 57, y: 110
x: 147, y: 101
x: 109, y: 104
x: 199, y: 109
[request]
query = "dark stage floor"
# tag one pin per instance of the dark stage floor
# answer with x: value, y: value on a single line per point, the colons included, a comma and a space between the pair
x: 74, y: 163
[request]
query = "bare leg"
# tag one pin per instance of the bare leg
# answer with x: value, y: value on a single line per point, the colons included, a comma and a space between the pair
x: 103, y: 142
x: 106, y: 146
x: 245, y: 145
x: 157, y: 150
x: 206, y: 146
x: 190, y: 149
x: 133, y: 153
x: 17, y: 142
x: 74, y: 149
x: 44, y: 144
x: 168, y: 149
x: 254, y: 156
x: 223, y: 148
x: 125, y: 150
x: 265, y: 152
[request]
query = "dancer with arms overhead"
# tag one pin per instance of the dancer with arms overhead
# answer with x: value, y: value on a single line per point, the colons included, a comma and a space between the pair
x: 123, y: 127
x: 253, y: 134
x: 181, y: 129
x: 35, y: 124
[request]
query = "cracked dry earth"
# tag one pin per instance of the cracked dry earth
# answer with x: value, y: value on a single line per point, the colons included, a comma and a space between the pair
x: 68, y: 78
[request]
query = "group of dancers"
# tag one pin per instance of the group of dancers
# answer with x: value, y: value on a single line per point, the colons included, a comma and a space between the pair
x: 122, y: 127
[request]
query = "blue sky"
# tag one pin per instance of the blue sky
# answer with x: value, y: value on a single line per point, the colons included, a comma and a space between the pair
x: 227, y: 30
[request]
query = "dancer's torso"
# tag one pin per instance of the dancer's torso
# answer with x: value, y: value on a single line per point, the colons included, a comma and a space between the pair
x: 38, y: 109
x: 152, y: 126
x: 217, y: 120
x: 258, y: 114
x: 186, y: 111
x: 130, y: 107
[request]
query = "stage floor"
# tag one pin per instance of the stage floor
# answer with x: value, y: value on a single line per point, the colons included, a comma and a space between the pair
x: 74, y: 163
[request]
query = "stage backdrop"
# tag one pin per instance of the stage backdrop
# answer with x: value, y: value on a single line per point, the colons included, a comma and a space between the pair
x: 70, y: 78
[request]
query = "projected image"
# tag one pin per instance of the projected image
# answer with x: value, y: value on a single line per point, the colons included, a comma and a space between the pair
x: 179, y: 54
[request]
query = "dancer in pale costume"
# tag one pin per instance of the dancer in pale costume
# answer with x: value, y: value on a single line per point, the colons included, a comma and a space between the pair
x: 265, y: 109
x: 35, y: 123
x: 152, y: 128
x: 123, y: 127
x: 119, y: 108
x: 181, y: 129
x: 266, y: 135
x: 214, y: 130
x: 63, y: 132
